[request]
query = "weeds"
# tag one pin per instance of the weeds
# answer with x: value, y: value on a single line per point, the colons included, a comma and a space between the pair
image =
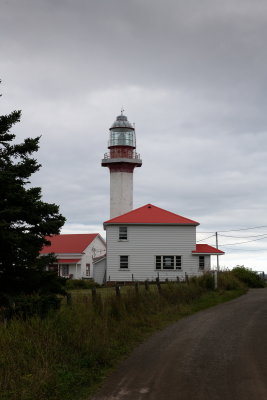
x: 67, y: 353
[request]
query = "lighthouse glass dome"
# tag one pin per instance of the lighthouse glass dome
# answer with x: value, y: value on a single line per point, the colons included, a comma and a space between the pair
x: 122, y: 133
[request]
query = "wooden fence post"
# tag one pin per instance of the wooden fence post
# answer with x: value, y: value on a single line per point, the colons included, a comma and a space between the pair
x: 158, y: 284
x: 186, y: 278
x: 136, y: 286
x: 147, y: 285
x: 178, y: 279
x: 69, y: 299
x: 118, y: 291
x: 93, y: 294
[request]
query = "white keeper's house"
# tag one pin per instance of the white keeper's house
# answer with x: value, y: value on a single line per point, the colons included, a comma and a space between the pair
x: 150, y: 242
x: 75, y: 254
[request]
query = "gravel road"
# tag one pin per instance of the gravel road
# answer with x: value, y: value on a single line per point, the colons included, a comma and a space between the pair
x: 219, y: 353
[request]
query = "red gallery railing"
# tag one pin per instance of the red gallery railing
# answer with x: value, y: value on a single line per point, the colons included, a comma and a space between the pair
x: 122, y: 153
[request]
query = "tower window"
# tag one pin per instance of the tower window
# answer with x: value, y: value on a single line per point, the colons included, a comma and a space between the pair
x: 124, y: 262
x: 123, y: 234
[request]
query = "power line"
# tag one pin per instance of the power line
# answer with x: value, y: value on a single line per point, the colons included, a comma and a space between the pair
x: 205, y: 238
x: 242, y: 229
x: 245, y: 229
x: 242, y: 250
x: 232, y: 244
x: 243, y: 237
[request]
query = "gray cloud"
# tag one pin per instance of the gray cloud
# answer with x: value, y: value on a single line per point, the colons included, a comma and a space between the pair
x: 190, y: 74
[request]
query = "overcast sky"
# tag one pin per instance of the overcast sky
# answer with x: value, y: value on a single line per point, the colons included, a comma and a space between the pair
x: 191, y: 74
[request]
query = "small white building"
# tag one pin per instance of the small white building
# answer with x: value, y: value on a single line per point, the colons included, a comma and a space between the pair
x: 75, y: 254
x: 149, y: 243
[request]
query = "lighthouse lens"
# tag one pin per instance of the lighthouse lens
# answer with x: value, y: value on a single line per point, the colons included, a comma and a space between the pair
x: 126, y: 138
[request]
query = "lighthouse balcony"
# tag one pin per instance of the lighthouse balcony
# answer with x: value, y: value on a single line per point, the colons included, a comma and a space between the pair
x: 122, y: 153
x: 122, y: 156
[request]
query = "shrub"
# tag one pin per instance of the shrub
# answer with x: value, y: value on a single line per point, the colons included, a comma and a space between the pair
x: 228, y: 281
x: 28, y: 305
x: 249, y: 277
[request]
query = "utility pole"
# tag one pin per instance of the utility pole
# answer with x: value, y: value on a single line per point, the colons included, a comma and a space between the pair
x: 218, y: 266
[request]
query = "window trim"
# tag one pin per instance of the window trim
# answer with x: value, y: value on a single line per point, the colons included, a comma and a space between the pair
x: 122, y: 262
x: 121, y: 234
x: 160, y: 262
x: 201, y: 263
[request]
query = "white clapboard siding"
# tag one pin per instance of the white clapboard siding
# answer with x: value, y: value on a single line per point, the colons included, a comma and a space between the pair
x: 143, y: 244
x: 100, y: 271
x: 207, y: 263
x: 95, y: 249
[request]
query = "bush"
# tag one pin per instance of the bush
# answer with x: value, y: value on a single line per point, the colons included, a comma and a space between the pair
x: 72, y: 284
x: 26, y: 306
x: 228, y: 281
x: 249, y: 277
x: 27, y: 292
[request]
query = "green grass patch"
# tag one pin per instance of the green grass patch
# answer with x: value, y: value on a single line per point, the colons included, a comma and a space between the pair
x: 67, y: 354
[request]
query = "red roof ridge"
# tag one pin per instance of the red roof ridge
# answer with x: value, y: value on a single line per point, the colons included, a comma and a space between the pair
x: 151, y: 214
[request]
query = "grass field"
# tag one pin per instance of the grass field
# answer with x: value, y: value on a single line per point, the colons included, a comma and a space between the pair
x: 67, y: 354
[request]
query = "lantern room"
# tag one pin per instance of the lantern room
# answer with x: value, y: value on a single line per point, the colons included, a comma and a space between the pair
x: 122, y: 133
x: 122, y: 141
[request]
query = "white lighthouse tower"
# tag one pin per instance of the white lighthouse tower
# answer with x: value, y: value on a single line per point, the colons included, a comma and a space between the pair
x: 121, y: 161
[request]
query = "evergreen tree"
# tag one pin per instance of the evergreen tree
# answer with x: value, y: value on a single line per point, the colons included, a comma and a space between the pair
x: 24, y: 218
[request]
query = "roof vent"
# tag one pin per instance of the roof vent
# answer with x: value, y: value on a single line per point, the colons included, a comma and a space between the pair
x: 149, y: 206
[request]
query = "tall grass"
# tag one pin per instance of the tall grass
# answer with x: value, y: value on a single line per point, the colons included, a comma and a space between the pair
x: 67, y: 353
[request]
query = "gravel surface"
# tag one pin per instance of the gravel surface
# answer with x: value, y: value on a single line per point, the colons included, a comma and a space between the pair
x: 219, y: 353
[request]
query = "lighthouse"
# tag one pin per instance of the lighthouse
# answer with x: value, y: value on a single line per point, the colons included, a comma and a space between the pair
x: 121, y: 161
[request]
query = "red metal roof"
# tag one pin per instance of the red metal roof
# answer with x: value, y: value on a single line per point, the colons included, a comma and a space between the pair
x: 72, y: 243
x: 150, y: 214
x: 68, y: 260
x: 206, y: 249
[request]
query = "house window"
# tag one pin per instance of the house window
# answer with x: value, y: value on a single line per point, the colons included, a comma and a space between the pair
x: 124, y: 262
x: 201, y: 262
x: 178, y: 262
x: 65, y: 270
x: 158, y: 262
x: 123, y: 233
x: 168, y: 262
x: 87, y: 270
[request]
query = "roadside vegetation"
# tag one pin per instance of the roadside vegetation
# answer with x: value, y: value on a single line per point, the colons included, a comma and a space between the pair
x: 66, y: 353
x: 250, y: 278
